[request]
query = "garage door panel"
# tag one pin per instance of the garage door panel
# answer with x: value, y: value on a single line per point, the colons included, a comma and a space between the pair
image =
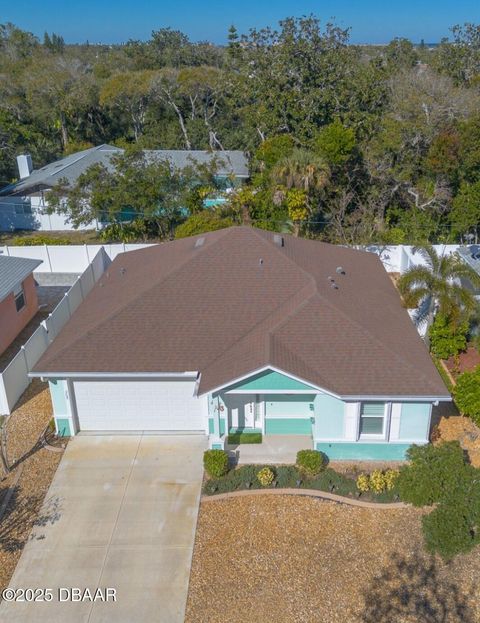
x: 138, y: 405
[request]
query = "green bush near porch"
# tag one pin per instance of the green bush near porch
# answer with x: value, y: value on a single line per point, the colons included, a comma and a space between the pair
x: 310, y: 462
x: 235, y: 439
x: 215, y: 463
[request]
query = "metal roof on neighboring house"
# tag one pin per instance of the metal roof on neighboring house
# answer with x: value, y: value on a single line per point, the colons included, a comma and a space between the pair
x: 230, y: 302
x: 13, y: 270
x: 71, y: 167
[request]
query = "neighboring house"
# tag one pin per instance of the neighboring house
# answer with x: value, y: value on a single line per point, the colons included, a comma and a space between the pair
x: 244, y: 329
x: 23, y: 205
x: 18, y: 297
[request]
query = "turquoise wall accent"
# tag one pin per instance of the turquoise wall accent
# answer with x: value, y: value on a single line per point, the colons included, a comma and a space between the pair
x: 269, y: 381
x: 210, y: 426
x: 63, y: 427
x: 329, y: 417
x: 57, y: 392
x: 364, y: 451
x: 288, y: 426
x: 414, y: 420
x: 282, y: 405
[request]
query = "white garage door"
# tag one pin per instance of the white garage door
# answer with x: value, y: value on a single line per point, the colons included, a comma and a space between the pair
x: 138, y: 405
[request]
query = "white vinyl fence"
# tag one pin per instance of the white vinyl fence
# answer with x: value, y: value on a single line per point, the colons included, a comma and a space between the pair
x: 14, y: 379
x: 73, y: 258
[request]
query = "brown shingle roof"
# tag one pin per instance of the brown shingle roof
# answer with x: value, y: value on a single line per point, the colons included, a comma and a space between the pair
x: 239, y: 302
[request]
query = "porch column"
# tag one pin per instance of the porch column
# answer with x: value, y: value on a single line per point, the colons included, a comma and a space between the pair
x: 216, y: 419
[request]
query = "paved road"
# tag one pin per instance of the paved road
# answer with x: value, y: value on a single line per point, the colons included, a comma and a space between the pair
x: 123, y: 513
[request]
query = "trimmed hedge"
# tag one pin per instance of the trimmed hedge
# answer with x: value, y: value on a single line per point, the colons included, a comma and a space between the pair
x: 215, y: 463
x: 235, y: 439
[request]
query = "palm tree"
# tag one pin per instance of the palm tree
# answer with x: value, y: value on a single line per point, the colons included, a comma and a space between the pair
x: 303, y: 170
x: 295, y: 179
x: 438, y: 286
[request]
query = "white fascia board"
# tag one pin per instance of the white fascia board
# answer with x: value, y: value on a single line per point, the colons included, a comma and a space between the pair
x: 113, y: 375
x: 390, y: 398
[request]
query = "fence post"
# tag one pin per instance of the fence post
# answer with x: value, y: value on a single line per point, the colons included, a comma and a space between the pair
x: 24, y: 351
x: 86, y: 253
x: 48, y: 257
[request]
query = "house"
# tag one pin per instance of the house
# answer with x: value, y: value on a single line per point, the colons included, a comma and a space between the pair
x: 18, y: 297
x: 23, y: 205
x: 245, y: 329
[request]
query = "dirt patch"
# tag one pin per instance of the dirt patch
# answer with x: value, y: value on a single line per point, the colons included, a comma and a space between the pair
x: 464, y: 362
x: 27, y: 492
x: 290, y: 560
x: 465, y: 431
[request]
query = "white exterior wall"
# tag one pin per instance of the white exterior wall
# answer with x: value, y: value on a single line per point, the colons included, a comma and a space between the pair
x: 30, y: 213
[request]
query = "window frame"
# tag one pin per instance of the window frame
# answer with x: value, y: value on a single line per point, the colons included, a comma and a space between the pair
x: 19, y: 293
x: 384, y: 416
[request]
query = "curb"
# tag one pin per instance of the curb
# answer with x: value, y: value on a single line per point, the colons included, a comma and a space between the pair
x: 315, y: 493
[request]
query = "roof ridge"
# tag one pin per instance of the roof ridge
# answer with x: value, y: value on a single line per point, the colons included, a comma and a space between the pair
x: 256, y: 326
x: 130, y: 301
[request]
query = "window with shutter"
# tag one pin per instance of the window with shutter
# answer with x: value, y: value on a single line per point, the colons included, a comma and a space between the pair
x: 372, y: 419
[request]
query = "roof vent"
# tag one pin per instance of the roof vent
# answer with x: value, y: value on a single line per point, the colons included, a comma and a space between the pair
x: 260, y: 261
x: 123, y: 270
x: 279, y: 240
x: 199, y: 242
x: 331, y: 279
x: 340, y: 270
x: 334, y: 285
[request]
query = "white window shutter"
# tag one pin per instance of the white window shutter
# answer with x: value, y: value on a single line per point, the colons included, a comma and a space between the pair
x: 352, y: 410
x: 395, y: 421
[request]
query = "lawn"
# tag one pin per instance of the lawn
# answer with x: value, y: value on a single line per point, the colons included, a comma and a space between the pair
x: 286, y: 560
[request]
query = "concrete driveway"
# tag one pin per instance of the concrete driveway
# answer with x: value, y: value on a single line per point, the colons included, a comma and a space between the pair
x: 123, y: 512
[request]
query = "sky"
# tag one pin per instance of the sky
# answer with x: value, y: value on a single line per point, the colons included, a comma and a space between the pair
x: 116, y: 21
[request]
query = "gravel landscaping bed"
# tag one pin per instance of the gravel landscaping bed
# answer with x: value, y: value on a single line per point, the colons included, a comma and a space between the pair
x: 285, y: 559
x: 27, y: 491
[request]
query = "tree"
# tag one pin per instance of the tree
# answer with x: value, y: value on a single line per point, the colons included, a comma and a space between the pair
x: 448, y: 337
x: 336, y: 143
x: 202, y: 222
x: 465, y: 214
x: 136, y: 188
x: 130, y: 93
x: 434, y: 286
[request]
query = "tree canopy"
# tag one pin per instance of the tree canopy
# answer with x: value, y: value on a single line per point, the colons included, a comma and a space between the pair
x: 396, y: 127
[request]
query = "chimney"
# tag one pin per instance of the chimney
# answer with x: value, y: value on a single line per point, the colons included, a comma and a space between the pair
x: 279, y: 240
x: 25, y: 166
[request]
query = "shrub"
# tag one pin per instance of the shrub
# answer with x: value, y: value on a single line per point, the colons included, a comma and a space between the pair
x: 431, y: 474
x: 21, y: 241
x: 363, y: 483
x: 467, y: 394
x: 447, y: 338
x: 391, y: 479
x: 450, y: 529
x: 215, y: 463
x: 310, y: 462
x: 265, y: 476
x: 377, y: 481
